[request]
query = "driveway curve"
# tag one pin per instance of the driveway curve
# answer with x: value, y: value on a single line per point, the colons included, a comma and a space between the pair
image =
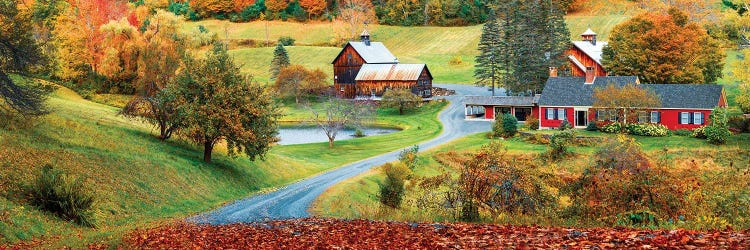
x: 293, y: 200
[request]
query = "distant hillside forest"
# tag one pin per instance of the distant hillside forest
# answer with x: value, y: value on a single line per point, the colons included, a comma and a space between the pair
x: 389, y: 12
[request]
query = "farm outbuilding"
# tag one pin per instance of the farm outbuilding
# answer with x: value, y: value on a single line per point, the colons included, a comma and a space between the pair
x: 367, y: 69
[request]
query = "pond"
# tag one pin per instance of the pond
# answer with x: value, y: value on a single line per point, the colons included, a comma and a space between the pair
x: 291, y: 135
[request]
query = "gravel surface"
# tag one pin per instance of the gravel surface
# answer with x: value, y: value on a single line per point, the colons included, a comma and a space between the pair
x: 293, y: 201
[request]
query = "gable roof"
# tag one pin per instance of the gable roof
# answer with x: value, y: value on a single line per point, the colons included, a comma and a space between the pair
x: 591, y: 50
x: 571, y: 91
x: 501, y: 100
x: 391, y: 72
x: 375, y: 53
x: 589, y: 32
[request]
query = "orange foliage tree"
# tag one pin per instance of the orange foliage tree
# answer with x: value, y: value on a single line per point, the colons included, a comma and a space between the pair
x: 277, y: 5
x: 354, y: 13
x: 664, y: 48
x: 208, y: 7
x: 313, y: 7
x: 240, y: 5
x: 625, y: 100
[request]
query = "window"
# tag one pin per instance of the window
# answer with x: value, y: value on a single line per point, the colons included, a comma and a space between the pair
x: 655, y: 117
x: 643, y: 117
x: 561, y: 114
x: 612, y: 115
x: 684, y: 118
x: 550, y: 114
x: 601, y: 115
x: 427, y: 92
x: 349, y: 58
x: 698, y: 118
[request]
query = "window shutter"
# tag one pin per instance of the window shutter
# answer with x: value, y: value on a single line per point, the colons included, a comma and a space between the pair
x: 596, y: 116
x: 554, y: 113
x: 692, y: 118
x: 658, y: 117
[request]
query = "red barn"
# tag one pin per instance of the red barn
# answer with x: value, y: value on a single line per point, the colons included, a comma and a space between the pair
x: 367, y: 69
x: 586, y: 55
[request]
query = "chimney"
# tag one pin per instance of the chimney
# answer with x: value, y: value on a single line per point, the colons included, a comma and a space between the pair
x: 365, y: 37
x: 590, y: 75
x: 552, y: 71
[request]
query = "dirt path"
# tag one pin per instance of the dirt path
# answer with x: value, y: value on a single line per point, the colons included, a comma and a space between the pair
x: 292, y: 201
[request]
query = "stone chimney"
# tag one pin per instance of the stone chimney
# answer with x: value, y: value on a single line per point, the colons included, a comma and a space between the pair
x: 589, y: 36
x: 552, y: 71
x: 590, y: 75
x: 365, y: 37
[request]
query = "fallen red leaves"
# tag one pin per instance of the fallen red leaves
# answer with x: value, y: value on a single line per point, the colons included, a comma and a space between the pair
x: 364, y: 234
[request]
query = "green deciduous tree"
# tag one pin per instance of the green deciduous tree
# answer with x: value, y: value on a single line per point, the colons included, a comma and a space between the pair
x: 664, y: 48
x: 280, y: 60
x: 19, y: 54
x: 401, y: 99
x: 218, y: 103
x: 742, y: 76
x: 337, y: 114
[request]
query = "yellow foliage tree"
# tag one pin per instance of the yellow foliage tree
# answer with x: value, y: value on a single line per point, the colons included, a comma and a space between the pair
x: 626, y: 100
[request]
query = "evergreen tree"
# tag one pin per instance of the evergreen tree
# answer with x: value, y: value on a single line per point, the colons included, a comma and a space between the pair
x: 280, y: 60
x: 487, y: 69
x: 534, y: 38
x: 19, y: 54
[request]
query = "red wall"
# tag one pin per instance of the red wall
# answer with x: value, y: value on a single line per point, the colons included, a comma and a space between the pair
x: 569, y: 114
x: 670, y: 118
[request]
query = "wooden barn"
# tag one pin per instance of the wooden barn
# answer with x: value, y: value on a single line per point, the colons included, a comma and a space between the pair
x: 585, y: 56
x: 366, y: 69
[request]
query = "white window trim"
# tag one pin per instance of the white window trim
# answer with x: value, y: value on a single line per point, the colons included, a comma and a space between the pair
x: 561, y: 115
x: 550, y: 114
x: 697, y: 117
x: 684, y: 117
x: 655, y: 117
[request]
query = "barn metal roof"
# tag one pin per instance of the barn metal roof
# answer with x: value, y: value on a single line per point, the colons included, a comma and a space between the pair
x: 390, y: 72
x: 375, y: 53
x: 593, y: 51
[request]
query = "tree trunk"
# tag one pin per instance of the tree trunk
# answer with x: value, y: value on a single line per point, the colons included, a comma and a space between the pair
x: 208, y: 147
x: 330, y: 142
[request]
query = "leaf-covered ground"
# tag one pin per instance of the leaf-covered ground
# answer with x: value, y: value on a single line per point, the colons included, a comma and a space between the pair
x: 365, y: 234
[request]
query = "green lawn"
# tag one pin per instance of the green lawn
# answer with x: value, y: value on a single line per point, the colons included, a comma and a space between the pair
x: 140, y: 181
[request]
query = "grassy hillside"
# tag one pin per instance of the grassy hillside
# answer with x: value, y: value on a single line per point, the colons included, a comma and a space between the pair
x: 140, y: 180
x: 435, y: 46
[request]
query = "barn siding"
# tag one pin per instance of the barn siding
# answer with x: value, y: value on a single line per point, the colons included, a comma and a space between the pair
x: 345, y: 70
x: 586, y: 61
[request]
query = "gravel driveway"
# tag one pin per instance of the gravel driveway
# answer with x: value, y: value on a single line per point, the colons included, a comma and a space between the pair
x: 292, y: 201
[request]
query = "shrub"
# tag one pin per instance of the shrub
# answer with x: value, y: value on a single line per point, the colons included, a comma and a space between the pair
x: 510, y: 125
x: 648, y: 129
x: 614, y: 127
x: 532, y: 123
x: 409, y: 156
x: 359, y: 133
x: 558, y: 144
x: 536, y: 139
x: 565, y: 125
x: 392, y: 189
x: 739, y: 123
x: 683, y: 132
x: 286, y: 41
x: 699, y: 133
x: 456, y: 60
x: 592, y: 126
x: 717, y: 134
x: 55, y: 192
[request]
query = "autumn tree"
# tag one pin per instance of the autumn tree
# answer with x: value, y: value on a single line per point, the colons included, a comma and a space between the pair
x: 210, y: 7
x: 337, y: 114
x: 314, y: 7
x: 79, y: 38
x: 163, y: 45
x: 401, y: 99
x: 296, y: 80
x: 280, y: 60
x: 277, y: 6
x: 663, y: 48
x: 354, y: 14
x: 19, y: 54
x: 625, y: 100
x: 218, y: 103
x: 742, y: 76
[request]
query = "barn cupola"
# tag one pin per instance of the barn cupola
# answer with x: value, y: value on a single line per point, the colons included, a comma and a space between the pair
x: 365, y: 37
x: 589, y: 36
